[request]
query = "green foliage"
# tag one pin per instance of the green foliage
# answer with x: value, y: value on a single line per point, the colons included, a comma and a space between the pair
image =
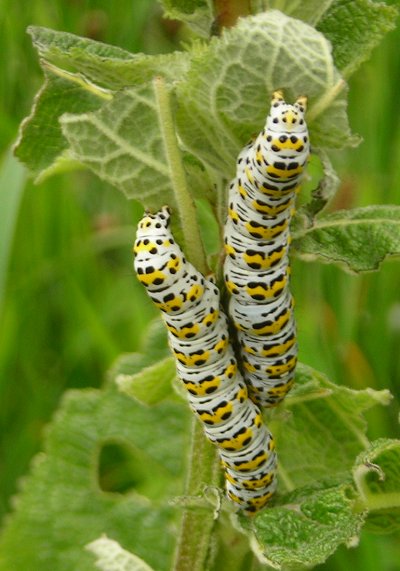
x: 360, y: 238
x: 198, y: 14
x: 319, y: 434
x: 62, y: 506
x: 147, y: 376
x: 111, y: 557
x: 99, y: 108
x: 325, y: 429
x: 307, y: 528
x: 355, y: 28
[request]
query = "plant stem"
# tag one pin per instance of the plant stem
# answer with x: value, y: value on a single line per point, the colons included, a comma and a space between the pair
x: 325, y: 101
x: 183, y: 198
x: 203, y: 467
x: 198, y: 521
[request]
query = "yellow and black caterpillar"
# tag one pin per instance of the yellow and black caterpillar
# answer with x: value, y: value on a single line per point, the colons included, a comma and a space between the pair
x: 206, y: 364
x: 257, y: 240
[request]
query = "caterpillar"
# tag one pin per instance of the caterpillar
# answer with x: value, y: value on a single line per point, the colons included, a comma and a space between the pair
x: 256, y: 241
x: 206, y: 364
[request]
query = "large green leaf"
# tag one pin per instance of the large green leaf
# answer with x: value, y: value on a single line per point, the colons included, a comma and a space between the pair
x: 321, y: 429
x: 107, y: 66
x: 355, y: 27
x: 307, y: 528
x: 41, y: 142
x: 360, y: 239
x: 105, y: 100
x: 123, y: 143
x: 62, y: 506
x: 81, y: 75
x: 225, y: 96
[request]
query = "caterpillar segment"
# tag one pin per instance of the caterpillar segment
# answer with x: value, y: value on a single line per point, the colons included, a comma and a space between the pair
x: 257, y: 243
x: 206, y: 364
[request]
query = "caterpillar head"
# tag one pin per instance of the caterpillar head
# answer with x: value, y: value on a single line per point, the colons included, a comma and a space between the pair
x: 154, y: 224
x: 287, y: 118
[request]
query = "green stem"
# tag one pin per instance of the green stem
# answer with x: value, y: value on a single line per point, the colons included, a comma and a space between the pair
x: 183, y: 198
x: 197, y: 522
x: 326, y: 100
x: 203, y: 470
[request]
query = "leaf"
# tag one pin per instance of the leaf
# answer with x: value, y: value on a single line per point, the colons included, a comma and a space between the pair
x: 197, y: 14
x: 377, y: 477
x: 152, y: 384
x: 111, y: 557
x: 310, y: 11
x: 321, y: 429
x: 80, y: 76
x: 321, y: 196
x: 123, y: 144
x: 62, y: 507
x: 148, y: 375
x: 225, y: 95
x: 355, y: 28
x: 117, y: 131
x: 41, y: 141
x: 107, y: 66
x: 154, y: 348
x: 210, y: 231
x: 360, y: 238
x: 307, y: 528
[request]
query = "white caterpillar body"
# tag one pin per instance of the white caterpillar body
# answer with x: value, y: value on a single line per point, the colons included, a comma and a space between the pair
x: 257, y: 241
x: 206, y: 364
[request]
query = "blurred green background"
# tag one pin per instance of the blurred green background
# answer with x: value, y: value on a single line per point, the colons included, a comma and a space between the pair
x: 69, y: 304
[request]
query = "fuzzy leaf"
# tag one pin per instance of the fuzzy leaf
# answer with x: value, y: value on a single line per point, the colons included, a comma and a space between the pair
x: 306, y: 528
x: 377, y: 477
x: 62, y: 506
x: 152, y: 384
x: 148, y: 375
x: 355, y: 28
x: 121, y: 140
x: 310, y: 11
x: 111, y: 557
x: 123, y: 144
x: 103, y: 65
x: 321, y: 196
x: 321, y: 429
x: 360, y: 238
x: 225, y: 96
x: 80, y: 76
x: 198, y: 14
x: 41, y: 142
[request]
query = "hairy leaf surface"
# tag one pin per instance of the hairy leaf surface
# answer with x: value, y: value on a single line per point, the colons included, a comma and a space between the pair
x: 359, y: 239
